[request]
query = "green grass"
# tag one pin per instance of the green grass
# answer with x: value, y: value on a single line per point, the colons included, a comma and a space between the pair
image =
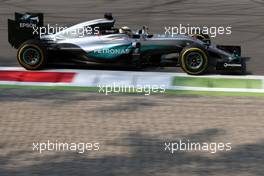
x: 215, y: 93
x: 96, y: 89
x: 217, y: 82
x: 74, y: 88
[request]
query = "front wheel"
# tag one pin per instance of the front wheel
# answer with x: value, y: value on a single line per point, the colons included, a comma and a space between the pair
x: 194, y: 60
x: 31, y: 55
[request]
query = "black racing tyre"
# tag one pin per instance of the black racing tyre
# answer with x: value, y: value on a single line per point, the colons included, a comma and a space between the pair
x: 32, y: 55
x: 194, y: 60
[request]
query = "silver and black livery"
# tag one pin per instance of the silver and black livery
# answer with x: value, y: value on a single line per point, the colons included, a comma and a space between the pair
x: 100, y: 42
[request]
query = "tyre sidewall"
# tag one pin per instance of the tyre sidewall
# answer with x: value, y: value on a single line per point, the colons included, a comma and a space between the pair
x: 183, y: 61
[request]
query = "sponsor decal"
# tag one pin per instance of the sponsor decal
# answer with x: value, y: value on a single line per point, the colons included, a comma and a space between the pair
x: 27, y: 25
x: 232, y: 65
x: 112, y: 51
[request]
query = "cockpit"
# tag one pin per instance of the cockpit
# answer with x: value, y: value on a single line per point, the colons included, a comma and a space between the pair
x: 104, y: 26
x: 110, y: 29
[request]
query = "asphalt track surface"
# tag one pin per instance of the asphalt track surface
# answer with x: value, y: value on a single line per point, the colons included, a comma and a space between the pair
x: 245, y: 17
x: 131, y: 130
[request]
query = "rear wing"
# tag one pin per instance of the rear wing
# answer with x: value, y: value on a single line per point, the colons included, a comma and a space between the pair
x: 23, y: 26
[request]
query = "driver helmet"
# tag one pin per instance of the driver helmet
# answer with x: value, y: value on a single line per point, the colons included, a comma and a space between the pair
x: 125, y: 30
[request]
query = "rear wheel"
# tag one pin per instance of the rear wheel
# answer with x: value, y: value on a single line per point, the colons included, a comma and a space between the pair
x: 194, y: 60
x: 31, y: 55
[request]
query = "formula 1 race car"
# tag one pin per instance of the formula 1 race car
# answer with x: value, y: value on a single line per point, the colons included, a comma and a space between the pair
x: 100, y: 42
